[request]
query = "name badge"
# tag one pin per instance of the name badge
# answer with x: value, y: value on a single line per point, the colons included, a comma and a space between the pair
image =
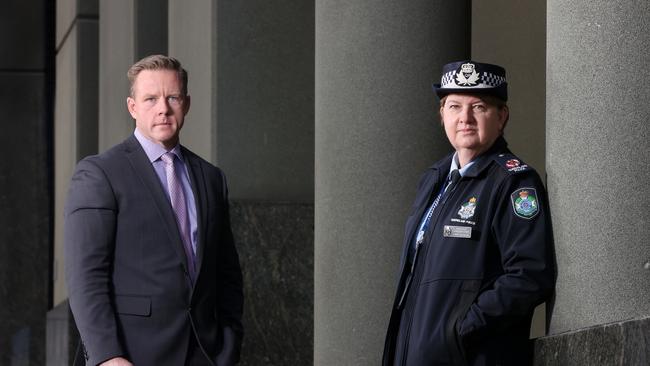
x: 457, y: 231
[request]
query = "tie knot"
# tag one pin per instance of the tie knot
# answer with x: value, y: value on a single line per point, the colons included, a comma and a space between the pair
x: 167, y: 157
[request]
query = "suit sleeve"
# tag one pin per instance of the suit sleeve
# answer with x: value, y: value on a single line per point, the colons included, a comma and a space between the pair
x: 521, y: 228
x: 230, y: 283
x: 89, y: 239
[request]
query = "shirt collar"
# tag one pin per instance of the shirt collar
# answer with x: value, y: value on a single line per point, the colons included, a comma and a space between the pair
x: 454, y: 165
x: 153, y: 150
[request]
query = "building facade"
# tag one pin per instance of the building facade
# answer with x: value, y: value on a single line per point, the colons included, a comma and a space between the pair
x: 321, y: 114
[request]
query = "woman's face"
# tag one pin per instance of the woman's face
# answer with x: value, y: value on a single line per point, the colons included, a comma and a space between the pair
x: 470, y: 123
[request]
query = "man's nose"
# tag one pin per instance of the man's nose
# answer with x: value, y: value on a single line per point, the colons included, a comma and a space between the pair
x: 163, y: 106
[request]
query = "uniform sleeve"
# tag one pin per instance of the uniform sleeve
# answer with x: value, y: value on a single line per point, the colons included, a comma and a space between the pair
x: 231, y: 298
x: 521, y: 229
x: 89, y: 239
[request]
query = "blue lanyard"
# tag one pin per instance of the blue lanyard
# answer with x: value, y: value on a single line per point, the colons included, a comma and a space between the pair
x: 427, y: 221
x: 413, y: 252
x: 453, y: 177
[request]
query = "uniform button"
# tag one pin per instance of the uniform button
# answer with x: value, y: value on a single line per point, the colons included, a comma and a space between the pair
x: 647, y: 266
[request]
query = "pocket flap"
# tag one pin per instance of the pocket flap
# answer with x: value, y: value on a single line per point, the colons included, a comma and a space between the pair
x: 134, y: 305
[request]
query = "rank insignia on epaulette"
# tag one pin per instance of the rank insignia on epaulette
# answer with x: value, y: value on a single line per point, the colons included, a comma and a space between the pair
x: 511, y: 163
x: 524, y: 202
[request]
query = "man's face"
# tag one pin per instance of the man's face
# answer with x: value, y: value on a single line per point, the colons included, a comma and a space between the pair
x: 470, y: 123
x: 158, y: 106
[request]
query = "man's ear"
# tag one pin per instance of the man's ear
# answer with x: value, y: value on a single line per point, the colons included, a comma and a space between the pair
x: 130, y: 105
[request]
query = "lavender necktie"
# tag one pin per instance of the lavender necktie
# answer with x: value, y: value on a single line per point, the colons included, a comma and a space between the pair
x: 180, y: 209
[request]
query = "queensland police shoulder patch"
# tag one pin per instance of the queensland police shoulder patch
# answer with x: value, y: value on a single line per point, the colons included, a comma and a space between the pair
x: 511, y: 163
x: 524, y: 202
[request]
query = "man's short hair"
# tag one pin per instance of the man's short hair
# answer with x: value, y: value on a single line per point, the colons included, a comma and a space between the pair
x: 157, y: 62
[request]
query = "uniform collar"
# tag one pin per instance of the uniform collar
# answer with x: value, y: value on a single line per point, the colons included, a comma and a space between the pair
x: 477, y: 165
x: 484, y: 160
x: 454, y: 165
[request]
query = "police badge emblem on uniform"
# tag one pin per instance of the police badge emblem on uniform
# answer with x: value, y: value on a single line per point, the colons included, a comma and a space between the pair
x: 467, y: 209
x: 524, y: 202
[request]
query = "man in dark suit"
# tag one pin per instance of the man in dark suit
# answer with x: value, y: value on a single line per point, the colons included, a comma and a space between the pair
x: 152, y: 272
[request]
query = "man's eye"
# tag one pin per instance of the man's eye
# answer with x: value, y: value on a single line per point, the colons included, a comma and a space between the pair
x: 480, y: 107
x: 174, y: 99
x: 149, y: 99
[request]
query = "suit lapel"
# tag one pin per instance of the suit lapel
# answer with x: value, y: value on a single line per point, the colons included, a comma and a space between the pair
x: 145, y: 171
x: 200, y: 199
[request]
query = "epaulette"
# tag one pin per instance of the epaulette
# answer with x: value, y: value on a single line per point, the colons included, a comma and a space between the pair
x: 511, y: 163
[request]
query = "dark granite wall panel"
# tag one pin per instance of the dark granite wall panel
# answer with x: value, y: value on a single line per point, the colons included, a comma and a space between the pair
x: 24, y: 219
x: 265, y: 98
x: 616, y: 344
x: 22, y: 34
x: 276, y: 249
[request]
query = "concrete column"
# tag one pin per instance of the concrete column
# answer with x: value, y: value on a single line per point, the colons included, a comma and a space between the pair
x: 75, y: 115
x: 376, y: 132
x: 597, y: 164
x: 192, y: 39
x: 128, y: 31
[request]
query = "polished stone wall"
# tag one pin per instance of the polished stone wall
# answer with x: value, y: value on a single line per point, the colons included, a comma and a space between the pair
x: 615, y: 344
x: 276, y: 249
x: 25, y: 185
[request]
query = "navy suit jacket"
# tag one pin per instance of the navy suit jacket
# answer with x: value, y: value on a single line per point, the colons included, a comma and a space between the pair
x: 126, y: 270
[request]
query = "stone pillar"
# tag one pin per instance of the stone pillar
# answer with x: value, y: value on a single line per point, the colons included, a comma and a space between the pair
x: 598, y: 138
x: 251, y: 81
x: 75, y: 115
x: 26, y: 76
x: 192, y: 39
x: 128, y: 31
x: 376, y: 132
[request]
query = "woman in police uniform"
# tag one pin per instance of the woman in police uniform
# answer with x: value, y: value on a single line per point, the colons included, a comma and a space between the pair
x: 478, y: 251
